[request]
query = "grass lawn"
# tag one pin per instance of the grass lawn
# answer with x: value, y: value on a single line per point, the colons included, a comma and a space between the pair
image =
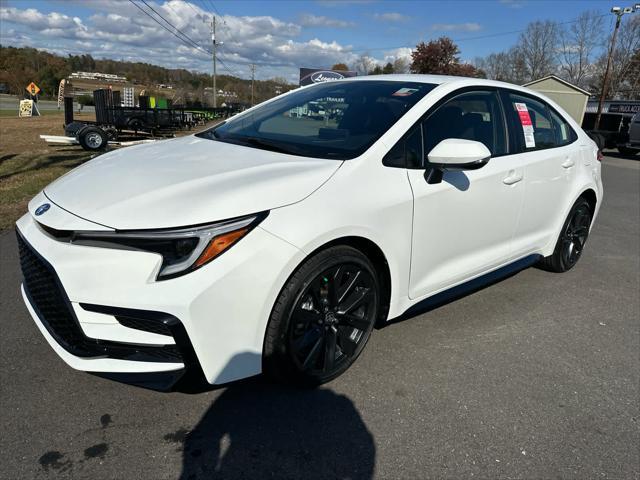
x: 28, y: 164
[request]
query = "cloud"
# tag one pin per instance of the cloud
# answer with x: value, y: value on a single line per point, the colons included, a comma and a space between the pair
x: 456, y: 27
x: 391, y: 17
x: 119, y: 30
x: 309, y: 20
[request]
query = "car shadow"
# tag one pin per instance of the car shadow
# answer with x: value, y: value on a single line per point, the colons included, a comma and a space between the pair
x: 616, y: 154
x: 256, y: 429
x: 459, y: 180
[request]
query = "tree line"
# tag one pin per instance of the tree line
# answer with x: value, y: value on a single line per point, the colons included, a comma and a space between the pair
x: 575, y: 51
x: 20, y: 66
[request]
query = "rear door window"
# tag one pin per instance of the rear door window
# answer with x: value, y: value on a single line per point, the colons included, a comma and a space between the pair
x: 535, y: 130
x: 563, y: 131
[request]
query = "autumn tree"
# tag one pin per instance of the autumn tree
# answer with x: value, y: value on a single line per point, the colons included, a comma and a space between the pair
x: 441, y: 56
x: 340, y: 67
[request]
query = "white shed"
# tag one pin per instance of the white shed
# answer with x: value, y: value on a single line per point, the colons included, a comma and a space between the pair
x: 570, y: 97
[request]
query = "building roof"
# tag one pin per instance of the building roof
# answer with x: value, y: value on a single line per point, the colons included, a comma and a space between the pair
x: 558, y: 79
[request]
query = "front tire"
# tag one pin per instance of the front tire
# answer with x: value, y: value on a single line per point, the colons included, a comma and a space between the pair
x: 322, y: 318
x: 573, y: 237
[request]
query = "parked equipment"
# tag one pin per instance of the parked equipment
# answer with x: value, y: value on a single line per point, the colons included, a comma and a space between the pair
x: 114, y: 120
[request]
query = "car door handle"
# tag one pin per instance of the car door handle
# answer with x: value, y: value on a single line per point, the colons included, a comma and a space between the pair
x: 568, y: 163
x: 513, y: 177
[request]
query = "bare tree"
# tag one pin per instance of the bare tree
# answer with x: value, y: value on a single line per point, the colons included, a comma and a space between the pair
x: 538, y: 46
x: 364, y: 64
x: 401, y: 65
x: 577, y: 46
x: 623, y: 80
x: 623, y: 58
x: 497, y: 66
x: 509, y: 66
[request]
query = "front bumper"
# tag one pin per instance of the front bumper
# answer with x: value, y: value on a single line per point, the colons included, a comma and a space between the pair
x: 120, y: 321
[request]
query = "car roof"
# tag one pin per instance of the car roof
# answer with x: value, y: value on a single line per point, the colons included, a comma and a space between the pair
x: 407, y: 77
x: 457, y: 82
x: 438, y: 80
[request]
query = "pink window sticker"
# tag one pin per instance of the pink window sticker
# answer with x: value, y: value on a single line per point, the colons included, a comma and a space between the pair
x: 527, y: 124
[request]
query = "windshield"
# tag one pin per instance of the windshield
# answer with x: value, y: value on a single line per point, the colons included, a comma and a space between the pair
x: 334, y: 120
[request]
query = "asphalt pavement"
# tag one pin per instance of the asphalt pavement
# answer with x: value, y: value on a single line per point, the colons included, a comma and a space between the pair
x: 537, y: 376
x: 11, y: 102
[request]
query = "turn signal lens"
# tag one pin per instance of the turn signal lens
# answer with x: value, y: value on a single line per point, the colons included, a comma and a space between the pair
x: 218, y: 245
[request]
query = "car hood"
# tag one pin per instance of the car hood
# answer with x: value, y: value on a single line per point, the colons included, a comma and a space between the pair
x: 185, y: 181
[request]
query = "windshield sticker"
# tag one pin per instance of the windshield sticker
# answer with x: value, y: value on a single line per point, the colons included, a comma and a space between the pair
x: 404, y: 92
x: 527, y: 125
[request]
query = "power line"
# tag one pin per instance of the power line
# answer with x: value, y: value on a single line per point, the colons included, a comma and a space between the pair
x: 192, y: 45
x: 464, y: 39
x: 191, y: 7
x: 189, y: 40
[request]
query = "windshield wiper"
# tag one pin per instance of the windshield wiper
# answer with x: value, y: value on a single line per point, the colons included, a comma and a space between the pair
x: 267, y: 145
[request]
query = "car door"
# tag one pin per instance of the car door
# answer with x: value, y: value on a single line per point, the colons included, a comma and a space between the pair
x: 462, y: 226
x: 550, y: 159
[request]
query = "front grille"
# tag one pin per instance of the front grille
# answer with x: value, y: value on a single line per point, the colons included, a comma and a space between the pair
x: 49, y: 300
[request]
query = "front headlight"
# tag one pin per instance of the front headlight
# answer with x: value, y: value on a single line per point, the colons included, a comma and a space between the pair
x: 183, y: 250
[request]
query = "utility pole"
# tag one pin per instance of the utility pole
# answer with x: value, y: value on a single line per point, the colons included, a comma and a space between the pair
x: 213, y: 41
x: 618, y: 12
x: 253, y: 74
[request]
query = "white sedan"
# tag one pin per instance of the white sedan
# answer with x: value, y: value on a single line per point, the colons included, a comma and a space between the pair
x: 275, y: 241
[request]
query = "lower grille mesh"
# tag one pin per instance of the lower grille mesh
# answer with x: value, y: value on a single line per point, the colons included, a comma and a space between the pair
x: 54, y: 310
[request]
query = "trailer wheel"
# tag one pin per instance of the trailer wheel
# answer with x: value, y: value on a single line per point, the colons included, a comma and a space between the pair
x: 92, y: 138
x: 72, y: 129
x: 135, y: 124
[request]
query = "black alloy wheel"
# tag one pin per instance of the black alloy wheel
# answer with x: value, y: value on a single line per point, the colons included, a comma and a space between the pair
x: 572, y: 240
x: 331, y: 318
x: 323, y: 318
x: 575, y: 235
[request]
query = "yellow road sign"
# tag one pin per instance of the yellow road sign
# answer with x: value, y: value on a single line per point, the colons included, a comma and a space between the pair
x: 33, y: 89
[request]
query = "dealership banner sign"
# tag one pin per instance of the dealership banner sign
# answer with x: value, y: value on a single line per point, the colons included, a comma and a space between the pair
x: 316, y: 75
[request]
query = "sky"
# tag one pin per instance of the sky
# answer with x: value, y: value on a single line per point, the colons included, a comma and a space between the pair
x: 278, y: 36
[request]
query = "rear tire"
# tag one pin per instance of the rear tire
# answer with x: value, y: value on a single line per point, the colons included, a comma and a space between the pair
x: 322, y: 318
x: 572, y: 239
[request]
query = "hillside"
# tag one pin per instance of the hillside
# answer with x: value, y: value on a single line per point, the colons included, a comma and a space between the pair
x: 19, y: 66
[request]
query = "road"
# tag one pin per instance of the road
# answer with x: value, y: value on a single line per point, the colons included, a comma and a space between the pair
x: 11, y: 102
x: 536, y: 376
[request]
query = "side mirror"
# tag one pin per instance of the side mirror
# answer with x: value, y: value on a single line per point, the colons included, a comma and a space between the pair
x: 455, y: 154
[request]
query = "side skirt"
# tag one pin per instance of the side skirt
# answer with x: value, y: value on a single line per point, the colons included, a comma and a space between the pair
x: 459, y: 291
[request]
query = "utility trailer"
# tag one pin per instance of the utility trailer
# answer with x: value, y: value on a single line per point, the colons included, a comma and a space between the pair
x: 612, y: 131
x: 114, y: 121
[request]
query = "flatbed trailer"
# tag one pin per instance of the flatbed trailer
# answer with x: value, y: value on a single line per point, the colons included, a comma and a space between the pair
x: 114, y: 121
